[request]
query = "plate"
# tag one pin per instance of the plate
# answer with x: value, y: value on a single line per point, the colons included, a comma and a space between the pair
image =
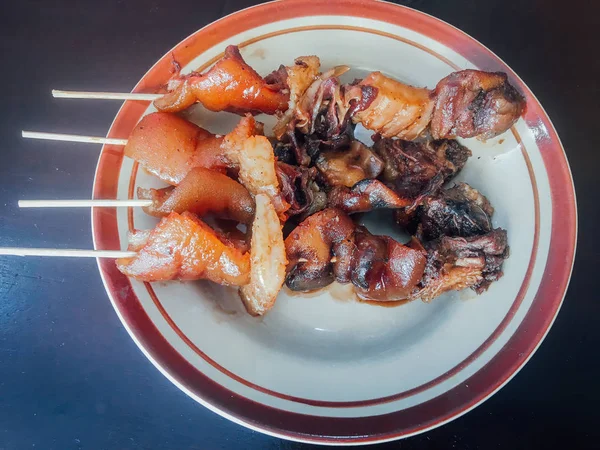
x: 324, y: 368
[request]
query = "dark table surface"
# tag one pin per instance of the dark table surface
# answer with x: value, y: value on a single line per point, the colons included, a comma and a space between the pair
x: 70, y: 376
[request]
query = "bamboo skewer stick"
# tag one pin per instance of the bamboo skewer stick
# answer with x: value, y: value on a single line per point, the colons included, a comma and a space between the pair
x: 72, y: 253
x: 72, y: 138
x: 82, y: 203
x: 56, y: 93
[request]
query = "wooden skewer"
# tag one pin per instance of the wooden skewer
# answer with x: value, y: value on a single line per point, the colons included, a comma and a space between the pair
x: 14, y: 251
x: 72, y: 138
x: 82, y: 203
x: 56, y: 93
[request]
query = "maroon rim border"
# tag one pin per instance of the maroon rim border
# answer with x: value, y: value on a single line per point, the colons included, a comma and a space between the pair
x: 345, y: 430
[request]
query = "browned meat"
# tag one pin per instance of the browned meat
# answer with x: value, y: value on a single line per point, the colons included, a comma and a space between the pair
x: 463, y: 250
x: 311, y: 246
x: 349, y: 166
x: 366, y: 195
x: 230, y: 85
x: 415, y: 170
x: 228, y: 232
x: 319, y: 121
x: 472, y: 103
x: 455, y: 263
x: 398, y: 110
x: 169, y: 147
x: 300, y: 190
x: 383, y: 269
x: 182, y: 247
x: 202, y: 192
x: 328, y: 246
x: 460, y: 211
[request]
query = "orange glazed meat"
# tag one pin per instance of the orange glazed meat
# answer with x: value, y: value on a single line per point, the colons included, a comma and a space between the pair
x: 182, y: 247
x: 230, y: 85
x: 202, y: 192
x: 168, y: 147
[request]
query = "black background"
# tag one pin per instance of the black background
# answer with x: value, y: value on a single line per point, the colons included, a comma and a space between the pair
x: 70, y: 376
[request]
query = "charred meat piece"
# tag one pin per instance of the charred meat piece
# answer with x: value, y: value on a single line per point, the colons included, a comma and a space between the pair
x: 182, y: 247
x: 300, y: 190
x: 460, y: 211
x: 230, y: 85
x: 415, y: 170
x: 299, y: 78
x: 366, y: 195
x: 202, y: 192
x: 472, y: 103
x: 383, y: 269
x: 311, y: 246
x: 398, y: 110
x: 349, y: 166
x: 318, y: 122
x: 168, y: 147
x: 455, y: 263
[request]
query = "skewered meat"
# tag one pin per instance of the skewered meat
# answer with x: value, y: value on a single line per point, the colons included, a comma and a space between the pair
x: 415, y: 170
x: 202, y: 192
x: 463, y: 250
x: 473, y: 103
x: 460, y: 211
x: 348, y: 167
x: 299, y: 77
x: 254, y: 157
x: 169, y: 147
x: 469, y: 103
x: 230, y: 85
x: 318, y: 121
x: 229, y: 233
x: 267, y: 259
x: 182, y: 247
x: 310, y: 248
x: 300, y: 190
x: 319, y: 173
x: 398, y: 110
x: 383, y: 269
x: 379, y: 267
x: 455, y: 263
x: 366, y: 195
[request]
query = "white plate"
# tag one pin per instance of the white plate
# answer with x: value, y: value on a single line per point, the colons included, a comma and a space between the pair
x: 325, y: 368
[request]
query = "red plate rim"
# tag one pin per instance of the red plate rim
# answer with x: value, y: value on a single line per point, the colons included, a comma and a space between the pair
x: 320, y: 429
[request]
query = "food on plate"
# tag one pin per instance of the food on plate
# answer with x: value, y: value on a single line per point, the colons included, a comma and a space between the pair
x: 182, y: 247
x: 328, y: 246
x: 384, y: 269
x: 473, y: 103
x: 312, y: 244
x: 202, y: 192
x: 313, y: 175
x: 415, y: 170
x: 169, y: 146
x: 364, y: 196
x: 253, y: 155
x: 230, y: 85
x: 268, y: 259
x: 349, y: 166
x: 455, y: 263
x: 398, y: 110
x: 460, y: 211
x: 468, y: 103
x: 463, y: 248
x: 300, y: 189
